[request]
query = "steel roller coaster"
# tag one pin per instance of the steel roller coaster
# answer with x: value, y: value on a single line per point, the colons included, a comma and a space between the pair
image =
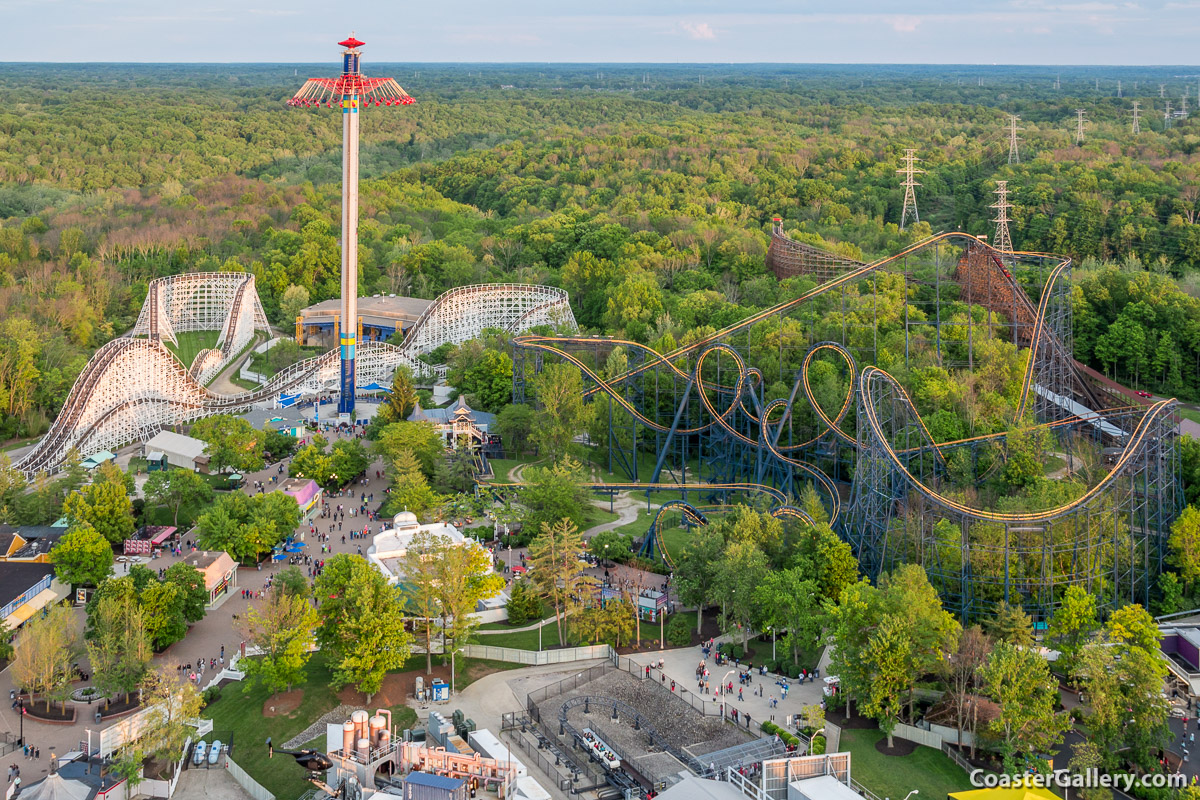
x: 134, y: 386
x: 892, y: 488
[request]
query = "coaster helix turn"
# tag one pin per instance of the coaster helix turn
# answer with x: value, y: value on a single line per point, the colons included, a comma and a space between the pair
x: 892, y: 488
x: 134, y: 387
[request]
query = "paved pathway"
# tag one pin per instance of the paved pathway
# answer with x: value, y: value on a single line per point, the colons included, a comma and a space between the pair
x: 680, y: 664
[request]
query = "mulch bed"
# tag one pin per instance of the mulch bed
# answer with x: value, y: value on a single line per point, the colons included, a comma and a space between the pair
x: 117, y: 707
x: 37, y: 710
x: 900, y: 747
x: 282, y: 704
x: 399, y: 687
x: 838, y: 717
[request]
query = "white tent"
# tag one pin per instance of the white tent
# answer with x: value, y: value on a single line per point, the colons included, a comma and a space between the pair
x: 55, y: 787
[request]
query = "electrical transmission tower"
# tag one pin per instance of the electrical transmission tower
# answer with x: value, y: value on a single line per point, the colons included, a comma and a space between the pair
x: 1079, y: 122
x: 1002, y: 241
x: 1162, y: 90
x: 1057, y: 82
x: 1119, y: 89
x: 1167, y: 116
x: 910, y: 198
x: 1137, y: 117
x: 1014, y: 155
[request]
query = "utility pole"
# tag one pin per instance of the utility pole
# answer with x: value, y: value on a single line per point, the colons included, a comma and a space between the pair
x: 1079, y: 125
x: 910, y: 198
x: 1137, y: 117
x: 1014, y: 155
x: 1002, y: 241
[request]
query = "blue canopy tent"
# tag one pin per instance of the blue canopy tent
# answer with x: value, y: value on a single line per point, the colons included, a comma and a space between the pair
x: 279, y: 557
x: 294, y: 548
x: 375, y: 387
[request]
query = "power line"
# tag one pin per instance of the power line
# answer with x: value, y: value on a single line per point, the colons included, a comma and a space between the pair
x: 1014, y: 155
x: 910, y: 198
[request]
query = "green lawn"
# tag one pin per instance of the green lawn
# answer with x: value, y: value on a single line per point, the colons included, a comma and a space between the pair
x: 269, y: 363
x: 598, y: 516
x: 502, y: 466
x: 506, y: 626
x: 240, y: 713
x: 1189, y: 413
x: 16, y: 443
x: 928, y: 770
x: 675, y: 538
x: 191, y: 343
x: 522, y: 640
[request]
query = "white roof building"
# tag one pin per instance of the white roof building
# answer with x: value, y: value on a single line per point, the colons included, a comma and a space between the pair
x: 390, y: 546
x: 181, y: 451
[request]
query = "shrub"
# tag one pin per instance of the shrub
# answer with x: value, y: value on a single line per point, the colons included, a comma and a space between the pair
x: 736, y: 652
x: 210, y: 695
x: 818, y: 746
x: 771, y: 728
x: 679, y: 631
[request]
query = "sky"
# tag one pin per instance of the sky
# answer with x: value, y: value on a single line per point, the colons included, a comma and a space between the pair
x: 706, y: 31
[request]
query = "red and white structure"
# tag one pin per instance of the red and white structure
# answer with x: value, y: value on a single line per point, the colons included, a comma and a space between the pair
x: 352, y: 91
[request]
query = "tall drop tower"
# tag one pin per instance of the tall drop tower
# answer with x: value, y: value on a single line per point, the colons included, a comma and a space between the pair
x: 351, y: 92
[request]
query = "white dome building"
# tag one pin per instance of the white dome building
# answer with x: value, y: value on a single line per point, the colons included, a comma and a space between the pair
x: 390, y: 547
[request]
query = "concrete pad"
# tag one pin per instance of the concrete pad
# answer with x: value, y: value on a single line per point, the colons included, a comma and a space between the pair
x: 209, y: 784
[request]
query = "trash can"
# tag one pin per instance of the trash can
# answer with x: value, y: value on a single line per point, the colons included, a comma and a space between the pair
x: 97, y: 717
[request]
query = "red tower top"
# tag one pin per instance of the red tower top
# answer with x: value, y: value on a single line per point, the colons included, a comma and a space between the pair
x: 352, y: 90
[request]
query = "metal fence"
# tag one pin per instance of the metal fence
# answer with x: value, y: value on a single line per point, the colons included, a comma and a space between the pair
x: 779, y: 773
x: 537, y: 658
x: 252, y: 787
x: 535, y: 698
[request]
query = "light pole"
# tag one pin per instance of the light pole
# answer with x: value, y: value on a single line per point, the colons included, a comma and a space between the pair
x: 606, y: 561
x: 772, y: 630
x: 510, y: 555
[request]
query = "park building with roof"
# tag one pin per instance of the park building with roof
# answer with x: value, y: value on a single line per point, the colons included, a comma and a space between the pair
x: 390, y: 547
x: 379, y: 317
x: 460, y: 420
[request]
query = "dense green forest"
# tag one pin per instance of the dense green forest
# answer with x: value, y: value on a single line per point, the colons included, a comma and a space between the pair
x: 647, y: 191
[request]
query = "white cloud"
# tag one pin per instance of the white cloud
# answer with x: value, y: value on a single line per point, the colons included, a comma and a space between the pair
x: 905, y: 24
x: 698, y: 30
